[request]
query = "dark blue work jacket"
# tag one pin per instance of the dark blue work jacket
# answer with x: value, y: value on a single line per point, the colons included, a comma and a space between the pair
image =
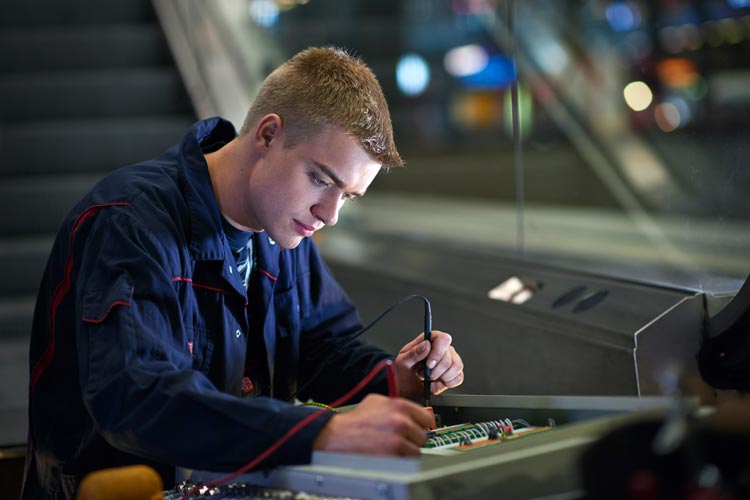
x: 143, y: 333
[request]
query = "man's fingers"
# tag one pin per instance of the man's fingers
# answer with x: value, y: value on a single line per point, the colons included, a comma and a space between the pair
x: 398, y: 445
x: 407, y: 421
x: 409, y: 449
x: 440, y: 343
x: 414, y: 432
x: 415, y: 354
x: 442, y: 365
x: 419, y: 338
x: 440, y: 386
x: 379, y: 425
x: 455, y: 381
x: 449, y: 367
x: 438, y: 355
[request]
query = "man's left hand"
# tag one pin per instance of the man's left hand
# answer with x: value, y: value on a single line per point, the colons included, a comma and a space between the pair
x: 439, y: 354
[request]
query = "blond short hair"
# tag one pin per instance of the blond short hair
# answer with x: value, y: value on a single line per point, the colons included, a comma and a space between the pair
x: 324, y: 86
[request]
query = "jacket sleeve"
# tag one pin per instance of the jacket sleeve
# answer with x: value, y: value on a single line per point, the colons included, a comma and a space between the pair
x: 135, y: 367
x: 329, y: 350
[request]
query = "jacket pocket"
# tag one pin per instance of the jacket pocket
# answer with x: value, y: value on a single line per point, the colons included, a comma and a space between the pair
x: 99, y: 303
x: 201, y: 346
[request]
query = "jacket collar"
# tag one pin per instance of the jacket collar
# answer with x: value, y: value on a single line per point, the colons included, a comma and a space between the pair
x: 207, y: 240
x: 267, y: 254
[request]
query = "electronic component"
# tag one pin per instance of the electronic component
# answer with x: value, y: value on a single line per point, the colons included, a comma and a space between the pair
x: 526, y: 463
x: 466, y: 436
x: 241, y: 491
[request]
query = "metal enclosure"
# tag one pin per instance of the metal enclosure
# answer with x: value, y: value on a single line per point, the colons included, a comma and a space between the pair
x: 579, y: 334
x: 538, y: 465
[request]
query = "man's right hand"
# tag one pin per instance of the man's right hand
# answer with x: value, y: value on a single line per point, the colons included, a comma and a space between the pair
x: 377, y: 426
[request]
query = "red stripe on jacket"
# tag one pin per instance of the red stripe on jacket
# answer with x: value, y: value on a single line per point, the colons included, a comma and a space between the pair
x: 62, y: 290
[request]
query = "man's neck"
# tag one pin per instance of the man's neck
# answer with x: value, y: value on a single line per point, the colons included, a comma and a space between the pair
x: 229, y: 169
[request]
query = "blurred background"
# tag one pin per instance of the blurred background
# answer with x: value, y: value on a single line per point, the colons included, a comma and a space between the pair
x: 594, y: 148
x: 605, y: 134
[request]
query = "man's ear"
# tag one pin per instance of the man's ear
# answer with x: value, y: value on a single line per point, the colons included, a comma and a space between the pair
x: 268, y: 130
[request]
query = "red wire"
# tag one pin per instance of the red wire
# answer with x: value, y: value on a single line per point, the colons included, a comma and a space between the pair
x: 392, y: 392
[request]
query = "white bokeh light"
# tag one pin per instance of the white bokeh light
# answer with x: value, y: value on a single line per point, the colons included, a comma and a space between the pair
x: 412, y: 74
x: 465, y: 60
x: 264, y: 12
x: 638, y: 95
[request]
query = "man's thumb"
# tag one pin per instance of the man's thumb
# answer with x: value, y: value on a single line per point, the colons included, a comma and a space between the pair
x: 421, y: 351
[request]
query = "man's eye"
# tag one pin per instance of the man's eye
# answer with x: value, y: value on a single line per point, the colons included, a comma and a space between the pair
x: 319, y: 181
x: 348, y: 197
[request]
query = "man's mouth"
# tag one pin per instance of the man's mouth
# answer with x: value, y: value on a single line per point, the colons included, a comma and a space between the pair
x: 304, y: 229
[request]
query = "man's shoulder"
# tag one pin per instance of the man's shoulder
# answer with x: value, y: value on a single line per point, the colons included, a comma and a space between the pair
x: 145, y: 194
x: 151, y: 177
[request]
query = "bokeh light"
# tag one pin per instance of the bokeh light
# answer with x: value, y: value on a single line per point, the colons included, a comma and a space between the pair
x: 712, y: 33
x: 692, y: 37
x: 525, y: 111
x: 638, y: 95
x: 667, y: 116
x: 673, y: 39
x: 476, y: 109
x: 465, y: 60
x: 731, y: 30
x: 264, y: 12
x: 412, y: 74
x: 498, y: 74
x: 623, y: 16
x: 699, y: 89
x: 552, y: 56
x: 677, y: 72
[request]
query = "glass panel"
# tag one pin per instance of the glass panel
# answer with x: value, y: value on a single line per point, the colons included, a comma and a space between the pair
x: 654, y: 96
x: 630, y: 152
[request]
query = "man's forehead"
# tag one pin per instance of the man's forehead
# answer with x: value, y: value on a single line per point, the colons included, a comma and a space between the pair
x: 346, y: 179
x: 341, y: 156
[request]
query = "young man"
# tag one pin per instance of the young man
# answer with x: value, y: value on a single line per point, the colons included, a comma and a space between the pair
x: 184, y: 301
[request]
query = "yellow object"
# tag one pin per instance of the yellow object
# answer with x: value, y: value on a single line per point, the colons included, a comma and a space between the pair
x: 320, y: 405
x: 134, y: 482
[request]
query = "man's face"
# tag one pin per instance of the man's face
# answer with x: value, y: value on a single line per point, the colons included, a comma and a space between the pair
x: 296, y: 191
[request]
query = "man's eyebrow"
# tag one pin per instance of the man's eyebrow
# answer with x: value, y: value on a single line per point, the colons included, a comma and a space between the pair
x: 335, y: 178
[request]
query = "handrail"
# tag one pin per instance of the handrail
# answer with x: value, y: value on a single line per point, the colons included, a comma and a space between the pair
x: 221, y: 54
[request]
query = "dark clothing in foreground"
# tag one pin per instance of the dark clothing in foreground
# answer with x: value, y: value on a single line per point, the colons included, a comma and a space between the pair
x: 146, y: 347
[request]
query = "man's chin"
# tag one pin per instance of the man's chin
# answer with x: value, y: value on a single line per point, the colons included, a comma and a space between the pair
x: 293, y: 244
x: 290, y: 242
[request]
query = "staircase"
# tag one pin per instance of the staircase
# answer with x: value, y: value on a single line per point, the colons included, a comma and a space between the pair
x: 86, y: 86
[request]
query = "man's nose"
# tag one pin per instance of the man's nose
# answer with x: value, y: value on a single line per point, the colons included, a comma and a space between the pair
x: 327, y: 209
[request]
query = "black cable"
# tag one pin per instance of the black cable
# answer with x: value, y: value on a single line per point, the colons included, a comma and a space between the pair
x: 427, y: 331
